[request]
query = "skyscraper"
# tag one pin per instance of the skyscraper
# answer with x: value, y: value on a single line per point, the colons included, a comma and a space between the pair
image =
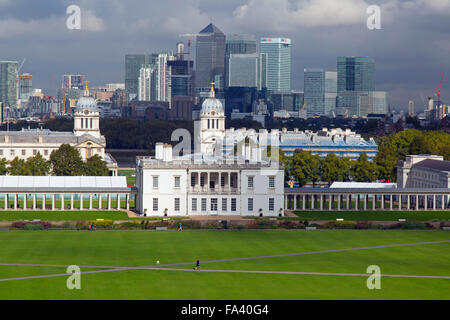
x: 247, y: 70
x: 238, y: 44
x: 8, y: 83
x: 146, y: 79
x: 278, y: 52
x: 210, y: 57
x: 411, y: 110
x: 133, y: 65
x: 320, y: 91
x: 355, y: 74
x: 73, y: 81
x: 26, y: 86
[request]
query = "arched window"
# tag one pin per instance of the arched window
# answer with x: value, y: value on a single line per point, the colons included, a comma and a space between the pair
x: 82, y: 123
x: 91, y: 123
x: 208, y: 123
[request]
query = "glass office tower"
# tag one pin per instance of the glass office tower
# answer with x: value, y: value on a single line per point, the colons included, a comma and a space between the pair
x: 133, y: 65
x: 210, y: 57
x: 355, y: 74
x: 320, y: 91
x: 8, y: 83
x: 278, y: 52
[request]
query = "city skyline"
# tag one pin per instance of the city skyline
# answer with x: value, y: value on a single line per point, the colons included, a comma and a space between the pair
x: 410, y: 49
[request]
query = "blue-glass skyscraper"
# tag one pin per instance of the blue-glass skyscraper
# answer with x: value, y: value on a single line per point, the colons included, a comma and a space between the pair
x: 278, y: 52
x: 355, y: 74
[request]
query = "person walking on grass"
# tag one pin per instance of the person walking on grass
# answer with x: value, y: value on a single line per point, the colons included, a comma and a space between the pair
x: 180, y: 227
x: 197, y: 265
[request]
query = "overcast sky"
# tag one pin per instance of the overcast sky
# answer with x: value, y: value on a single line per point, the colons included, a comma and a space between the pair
x: 411, y: 50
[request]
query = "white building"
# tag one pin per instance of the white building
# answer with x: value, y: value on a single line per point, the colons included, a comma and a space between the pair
x: 86, y: 137
x: 207, y: 182
x: 423, y: 171
x: 202, y: 184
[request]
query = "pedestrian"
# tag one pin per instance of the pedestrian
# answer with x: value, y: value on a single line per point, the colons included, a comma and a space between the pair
x: 197, y: 265
x: 180, y: 227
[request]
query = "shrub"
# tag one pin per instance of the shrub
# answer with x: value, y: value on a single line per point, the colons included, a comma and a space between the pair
x: 31, y: 226
x: 106, y: 224
x: 241, y: 227
x: 363, y: 225
x: 413, y: 225
x: 290, y: 224
x: 341, y: 224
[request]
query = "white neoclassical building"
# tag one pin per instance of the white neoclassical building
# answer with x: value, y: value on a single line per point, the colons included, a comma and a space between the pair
x: 86, y: 137
x: 208, y: 182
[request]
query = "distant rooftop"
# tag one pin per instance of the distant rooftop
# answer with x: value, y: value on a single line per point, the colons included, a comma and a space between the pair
x: 440, y: 165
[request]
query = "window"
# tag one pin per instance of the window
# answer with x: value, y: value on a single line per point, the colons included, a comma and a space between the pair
x: 203, y: 204
x: 224, y: 204
x: 250, y: 204
x: 222, y: 181
x: 214, y: 204
x: 202, y: 181
x: 250, y: 182
x: 177, y: 182
x: 1, y: 152
x: 34, y: 152
x: 155, y: 204
x: 194, y: 204
x: 45, y: 152
x: 155, y: 182
x: 192, y: 180
x: 271, y: 204
x: 271, y: 182
x: 91, y: 123
x: 177, y: 204
x: 233, y: 204
x: 24, y: 152
x: 12, y: 152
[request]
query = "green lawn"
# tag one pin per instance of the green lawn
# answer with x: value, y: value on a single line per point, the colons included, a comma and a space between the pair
x: 131, y: 180
x: 62, y: 215
x: 138, y: 248
x: 375, y: 215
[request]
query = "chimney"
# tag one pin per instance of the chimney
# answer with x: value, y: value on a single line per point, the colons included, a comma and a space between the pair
x: 159, y: 151
x: 167, y: 153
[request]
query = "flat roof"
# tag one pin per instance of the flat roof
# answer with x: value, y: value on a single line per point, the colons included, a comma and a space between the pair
x: 63, y: 183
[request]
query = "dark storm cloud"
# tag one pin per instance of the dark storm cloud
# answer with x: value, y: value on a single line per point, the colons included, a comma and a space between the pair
x: 411, y: 50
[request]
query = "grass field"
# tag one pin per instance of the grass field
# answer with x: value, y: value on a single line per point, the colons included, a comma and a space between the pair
x: 144, y: 248
x: 62, y: 215
x: 375, y: 215
x: 131, y: 180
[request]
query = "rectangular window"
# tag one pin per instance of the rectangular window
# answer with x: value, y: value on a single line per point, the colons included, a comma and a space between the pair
x: 1, y: 152
x: 233, y: 204
x: 177, y: 182
x: 45, y: 152
x: 224, y: 204
x: 271, y: 204
x: 177, y: 204
x: 34, y: 152
x: 155, y: 204
x: 250, y: 204
x: 24, y: 152
x: 192, y: 180
x: 214, y: 204
x: 203, y: 204
x: 222, y: 181
x: 271, y: 182
x: 250, y: 182
x: 12, y: 152
x: 155, y: 182
x: 202, y: 181
x: 194, y: 204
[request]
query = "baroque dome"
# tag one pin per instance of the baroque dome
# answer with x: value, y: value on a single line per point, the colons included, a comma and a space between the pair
x: 212, y: 104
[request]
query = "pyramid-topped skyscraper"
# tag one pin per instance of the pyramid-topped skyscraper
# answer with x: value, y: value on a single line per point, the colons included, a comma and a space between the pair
x: 210, y: 57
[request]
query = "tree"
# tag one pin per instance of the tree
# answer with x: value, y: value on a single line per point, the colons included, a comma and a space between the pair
x: 4, y: 166
x: 95, y: 166
x: 305, y: 167
x: 38, y: 166
x: 18, y: 167
x: 364, y: 170
x: 66, y: 161
x: 330, y: 168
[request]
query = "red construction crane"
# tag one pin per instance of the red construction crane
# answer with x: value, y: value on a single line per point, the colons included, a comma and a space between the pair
x: 438, y: 91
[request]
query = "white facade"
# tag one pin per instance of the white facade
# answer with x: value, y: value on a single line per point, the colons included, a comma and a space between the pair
x: 145, y: 84
x: 423, y: 171
x: 199, y: 184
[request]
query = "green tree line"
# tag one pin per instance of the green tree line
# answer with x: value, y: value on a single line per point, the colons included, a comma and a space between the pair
x: 66, y: 161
